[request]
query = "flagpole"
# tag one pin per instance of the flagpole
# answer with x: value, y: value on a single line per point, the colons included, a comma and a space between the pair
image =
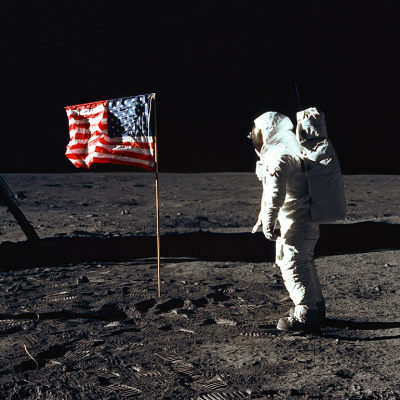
x: 157, y: 198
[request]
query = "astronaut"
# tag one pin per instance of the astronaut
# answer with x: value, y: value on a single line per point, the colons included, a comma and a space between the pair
x: 285, y: 204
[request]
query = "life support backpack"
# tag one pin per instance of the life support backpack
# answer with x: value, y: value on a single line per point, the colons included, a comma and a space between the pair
x: 321, y: 166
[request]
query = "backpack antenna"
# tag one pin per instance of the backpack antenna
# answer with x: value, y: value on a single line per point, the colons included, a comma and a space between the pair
x: 298, y: 97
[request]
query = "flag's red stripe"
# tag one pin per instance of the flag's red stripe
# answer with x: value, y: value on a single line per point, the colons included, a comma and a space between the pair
x: 87, y: 125
x: 93, y: 104
x: 76, y: 156
x: 76, y: 117
x: 86, y: 113
x: 121, y: 158
x: 130, y: 154
x: 142, y: 145
x: 86, y: 145
x: 77, y: 147
x: 82, y: 125
x: 80, y: 161
x: 85, y: 136
x: 75, y: 150
x: 104, y: 140
x: 81, y: 136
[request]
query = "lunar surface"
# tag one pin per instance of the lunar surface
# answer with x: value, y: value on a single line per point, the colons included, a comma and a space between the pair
x: 81, y: 318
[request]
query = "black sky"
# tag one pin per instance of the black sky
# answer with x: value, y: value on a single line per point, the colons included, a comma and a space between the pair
x: 214, y: 65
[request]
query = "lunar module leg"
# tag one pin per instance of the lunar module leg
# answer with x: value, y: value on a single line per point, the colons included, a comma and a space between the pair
x: 7, y: 199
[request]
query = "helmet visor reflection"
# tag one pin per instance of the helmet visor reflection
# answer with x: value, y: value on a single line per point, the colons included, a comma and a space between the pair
x: 256, y: 137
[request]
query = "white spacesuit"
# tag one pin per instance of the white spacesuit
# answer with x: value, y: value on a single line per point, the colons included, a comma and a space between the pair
x: 286, y: 202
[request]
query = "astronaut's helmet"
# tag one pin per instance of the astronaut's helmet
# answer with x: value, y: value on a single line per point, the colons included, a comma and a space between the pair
x: 267, y: 128
x: 256, y: 137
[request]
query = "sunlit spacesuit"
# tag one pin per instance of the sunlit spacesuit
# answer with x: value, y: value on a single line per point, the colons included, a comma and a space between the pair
x: 286, y: 203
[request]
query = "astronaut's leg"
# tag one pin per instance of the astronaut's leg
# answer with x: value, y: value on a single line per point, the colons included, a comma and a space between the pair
x: 294, y: 256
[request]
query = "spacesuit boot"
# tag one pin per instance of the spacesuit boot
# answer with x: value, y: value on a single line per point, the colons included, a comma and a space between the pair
x: 321, y: 312
x: 309, y: 322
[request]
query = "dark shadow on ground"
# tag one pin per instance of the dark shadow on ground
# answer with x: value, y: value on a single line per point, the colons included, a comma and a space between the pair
x: 356, y: 331
x: 106, y: 313
x: 364, y: 326
x: 347, y: 331
x: 359, y: 339
x: 335, y: 239
x: 352, y: 331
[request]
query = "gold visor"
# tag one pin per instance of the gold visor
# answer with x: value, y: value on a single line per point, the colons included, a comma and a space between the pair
x: 256, y: 137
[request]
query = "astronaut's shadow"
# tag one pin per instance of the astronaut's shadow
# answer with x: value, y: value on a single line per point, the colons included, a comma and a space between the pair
x: 333, y: 328
x: 362, y: 326
x: 357, y: 238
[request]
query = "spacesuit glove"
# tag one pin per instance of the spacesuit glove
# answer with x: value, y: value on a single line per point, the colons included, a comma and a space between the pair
x: 269, y: 233
x: 256, y: 226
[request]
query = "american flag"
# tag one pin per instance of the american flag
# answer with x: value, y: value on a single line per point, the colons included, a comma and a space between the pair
x: 111, y: 131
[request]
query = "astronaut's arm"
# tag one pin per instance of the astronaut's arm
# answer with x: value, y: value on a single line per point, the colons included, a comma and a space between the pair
x: 273, y: 198
x: 275, y: 176
x: 274, y: 193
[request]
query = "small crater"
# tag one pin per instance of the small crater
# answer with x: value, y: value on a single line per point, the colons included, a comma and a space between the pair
x: 110, y: 312
x: 145, y: 305
x: 82, y: 279
x: 218, y: 296
x: 30, y: 365
x: 208, y: 321
x: 294, y: 392
x: 202, y: 302
x: 344, y: 373
x: 171, y: 304
x: 55, y: 351
x: 125, y: 291
x: 167, y: 327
